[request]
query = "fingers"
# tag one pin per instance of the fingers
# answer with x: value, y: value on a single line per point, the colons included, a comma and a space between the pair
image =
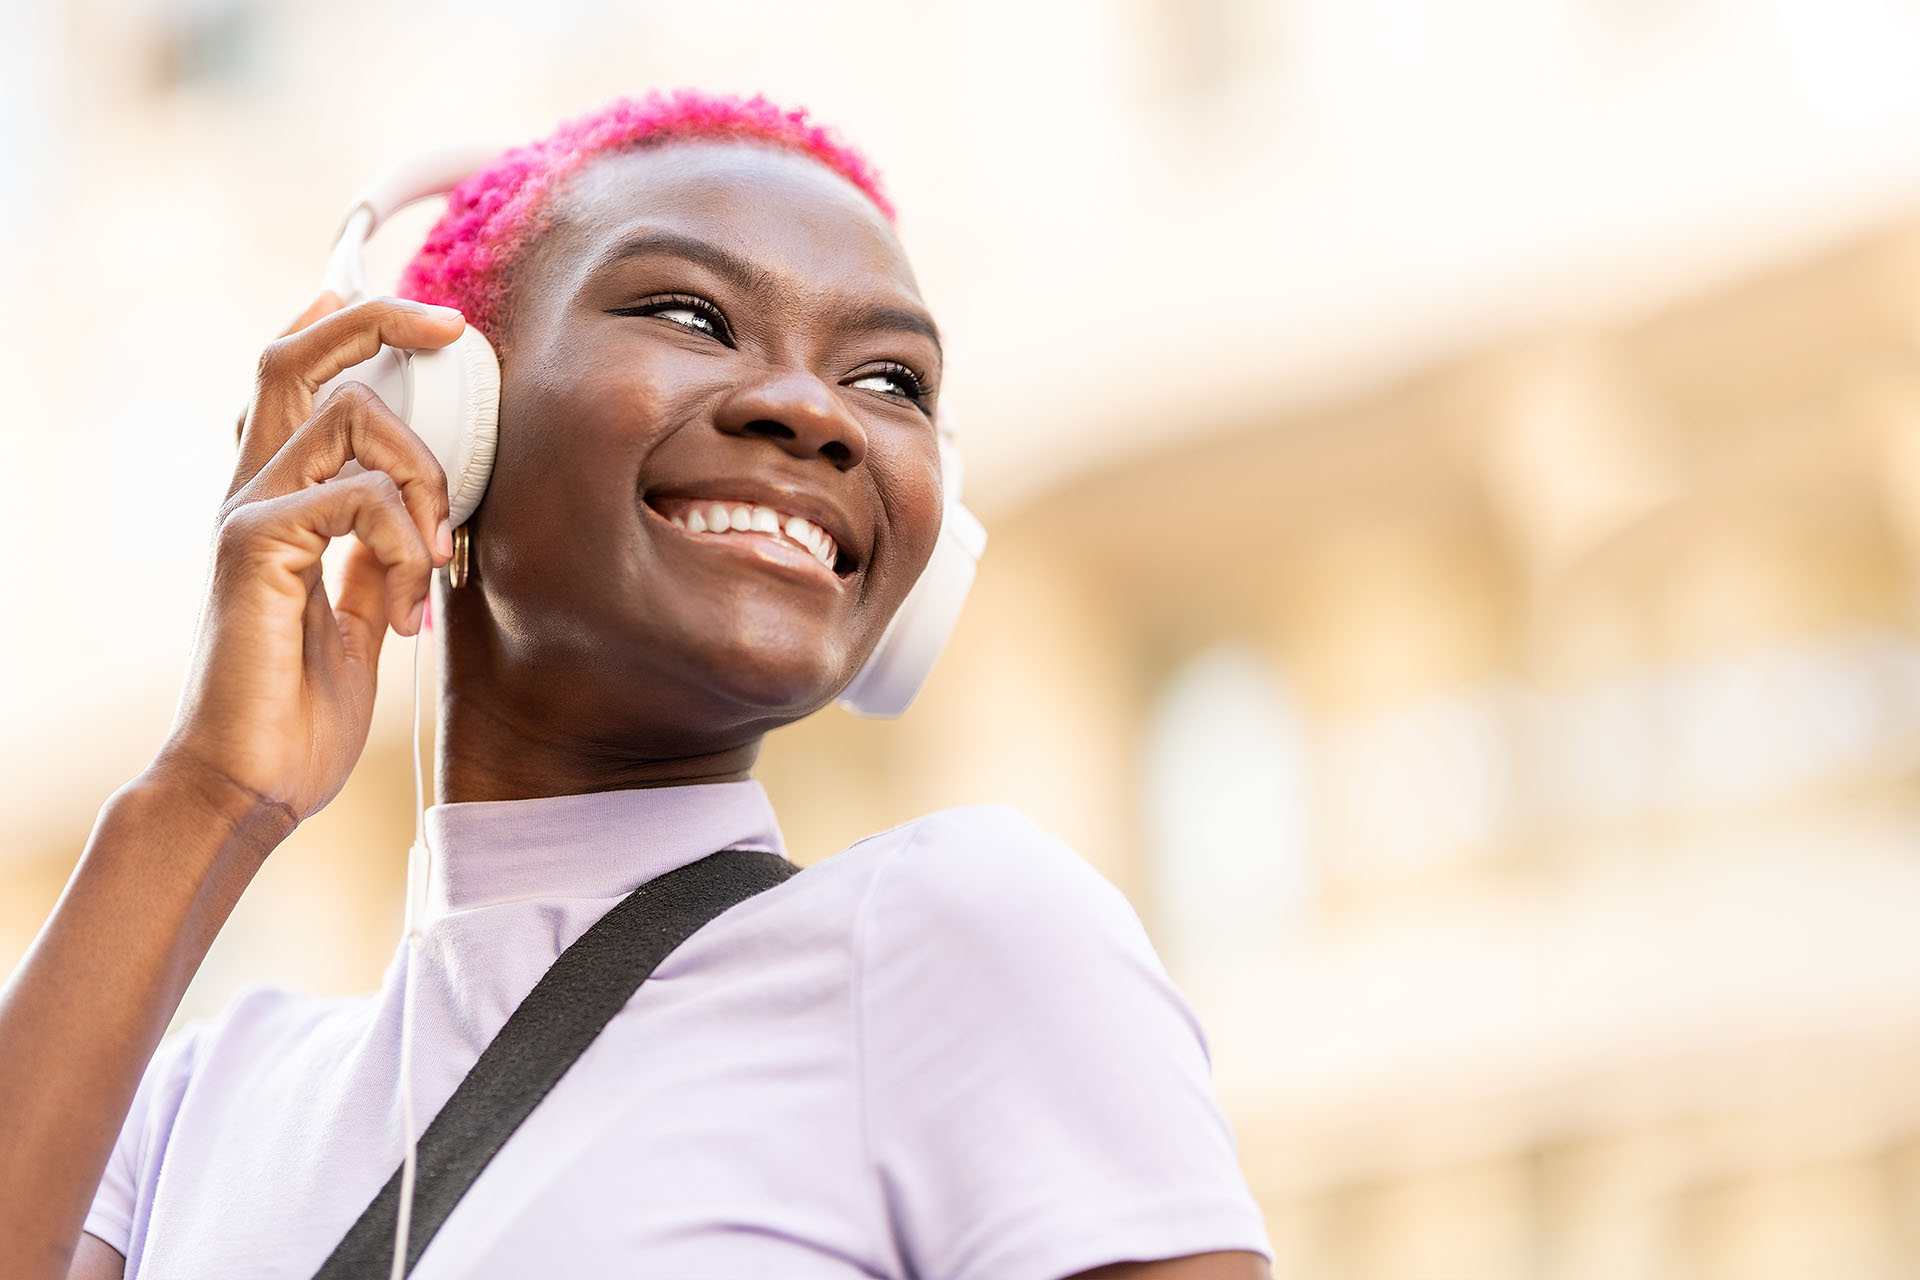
x: 345, y: 338
x: 293, y: 366
x: 289, y: 532
x: 280, y: 515
x: 354, y: 424
x: 322, y: 631
x: 326, y: 304
x: 360, y: 605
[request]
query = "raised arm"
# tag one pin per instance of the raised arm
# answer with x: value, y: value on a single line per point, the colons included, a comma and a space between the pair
x: 276, y: 708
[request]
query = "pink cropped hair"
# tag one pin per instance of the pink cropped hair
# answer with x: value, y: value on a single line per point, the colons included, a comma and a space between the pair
x: 493, y: 215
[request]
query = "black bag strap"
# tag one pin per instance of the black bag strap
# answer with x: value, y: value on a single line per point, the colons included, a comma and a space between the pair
x: 577, y: 996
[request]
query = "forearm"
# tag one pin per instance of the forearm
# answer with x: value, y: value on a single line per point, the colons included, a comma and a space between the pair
x: 81, y: 1015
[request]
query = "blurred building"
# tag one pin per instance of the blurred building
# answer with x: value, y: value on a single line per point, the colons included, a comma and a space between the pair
x: 1454, y: 479
x: 1517, y: 763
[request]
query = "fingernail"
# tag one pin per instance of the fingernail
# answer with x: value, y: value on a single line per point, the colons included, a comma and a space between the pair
x: 437, y: 311
x: 413, y: 619
x: 443, y: 540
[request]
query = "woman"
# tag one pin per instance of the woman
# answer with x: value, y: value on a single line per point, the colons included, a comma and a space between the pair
x: 945, y: 1052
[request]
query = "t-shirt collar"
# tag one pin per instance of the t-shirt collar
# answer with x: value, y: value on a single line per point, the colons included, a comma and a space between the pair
x: 600, y: 845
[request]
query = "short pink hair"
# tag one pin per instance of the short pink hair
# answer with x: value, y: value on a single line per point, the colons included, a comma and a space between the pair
x: 491, y: 217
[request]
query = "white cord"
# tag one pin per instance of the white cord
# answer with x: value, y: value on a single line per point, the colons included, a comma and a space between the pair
x: 418, y: 860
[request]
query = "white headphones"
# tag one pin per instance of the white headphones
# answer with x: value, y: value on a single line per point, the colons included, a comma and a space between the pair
x: 451, y: 399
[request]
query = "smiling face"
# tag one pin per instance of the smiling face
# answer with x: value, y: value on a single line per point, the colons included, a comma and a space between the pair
x: 707, y: 331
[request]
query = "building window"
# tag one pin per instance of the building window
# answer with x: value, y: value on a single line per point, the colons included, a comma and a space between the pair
x: 1226, y: 813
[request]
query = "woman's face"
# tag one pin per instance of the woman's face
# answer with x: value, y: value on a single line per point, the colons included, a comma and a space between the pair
x: 704, y: 326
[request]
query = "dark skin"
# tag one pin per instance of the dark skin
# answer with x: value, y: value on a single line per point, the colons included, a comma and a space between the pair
x: 788, y: 360
x: 763, y: 340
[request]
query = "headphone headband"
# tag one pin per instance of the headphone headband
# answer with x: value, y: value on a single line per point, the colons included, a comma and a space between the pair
x: 420, y: 176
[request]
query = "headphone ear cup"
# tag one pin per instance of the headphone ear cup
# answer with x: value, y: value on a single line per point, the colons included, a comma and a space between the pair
x: 456, y: 410
x: 912, y: 642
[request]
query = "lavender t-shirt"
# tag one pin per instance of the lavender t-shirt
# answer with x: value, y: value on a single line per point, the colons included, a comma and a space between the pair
x: 948, y: 1052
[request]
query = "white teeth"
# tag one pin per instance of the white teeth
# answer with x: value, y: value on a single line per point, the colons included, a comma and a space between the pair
x: 729, y: 517
x: 822, y: 547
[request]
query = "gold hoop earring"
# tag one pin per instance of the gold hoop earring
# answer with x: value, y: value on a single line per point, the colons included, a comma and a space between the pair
x: 457, y: 566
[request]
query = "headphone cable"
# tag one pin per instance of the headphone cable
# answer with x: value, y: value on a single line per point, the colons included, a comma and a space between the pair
x: 418, y: 860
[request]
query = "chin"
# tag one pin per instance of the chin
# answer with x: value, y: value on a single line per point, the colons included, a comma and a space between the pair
x: 785, y: 680
x: 752, y: 655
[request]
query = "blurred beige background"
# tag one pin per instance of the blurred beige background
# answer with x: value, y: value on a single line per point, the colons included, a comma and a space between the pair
x: 1454, y: 479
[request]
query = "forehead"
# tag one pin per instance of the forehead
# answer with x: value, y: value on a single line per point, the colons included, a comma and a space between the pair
x: 761, y: 202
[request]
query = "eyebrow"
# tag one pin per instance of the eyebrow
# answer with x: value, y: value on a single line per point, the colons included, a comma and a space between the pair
x: 748, y: 275
x: 882, y: 317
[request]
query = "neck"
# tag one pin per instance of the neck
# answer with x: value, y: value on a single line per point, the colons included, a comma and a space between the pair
x: 487, y: 753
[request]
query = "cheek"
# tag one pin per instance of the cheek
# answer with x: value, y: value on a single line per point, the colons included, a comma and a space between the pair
x: 560, y: 503
x: 911, y: 495
x: 559, y: 408
x: 573, y: 432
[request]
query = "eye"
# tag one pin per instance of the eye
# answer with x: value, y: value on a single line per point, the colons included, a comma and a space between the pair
x: 685, y: 310
x: 691, y: 319
x: 894, y: 380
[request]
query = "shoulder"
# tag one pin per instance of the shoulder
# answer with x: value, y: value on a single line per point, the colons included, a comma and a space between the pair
x: 1035, y: 1089
x: 270, y: 1013
x: 257, y: 1013
x: 982, y: 908
x: 991, y: 867
x: 271, y: 1041
x: 260, y: 1029
x: 263, y: 1030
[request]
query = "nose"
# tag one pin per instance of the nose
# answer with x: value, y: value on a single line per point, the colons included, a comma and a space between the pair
x: 798, y: 412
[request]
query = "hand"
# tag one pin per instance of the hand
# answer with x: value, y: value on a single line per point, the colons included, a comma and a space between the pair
x: 280, y: 688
